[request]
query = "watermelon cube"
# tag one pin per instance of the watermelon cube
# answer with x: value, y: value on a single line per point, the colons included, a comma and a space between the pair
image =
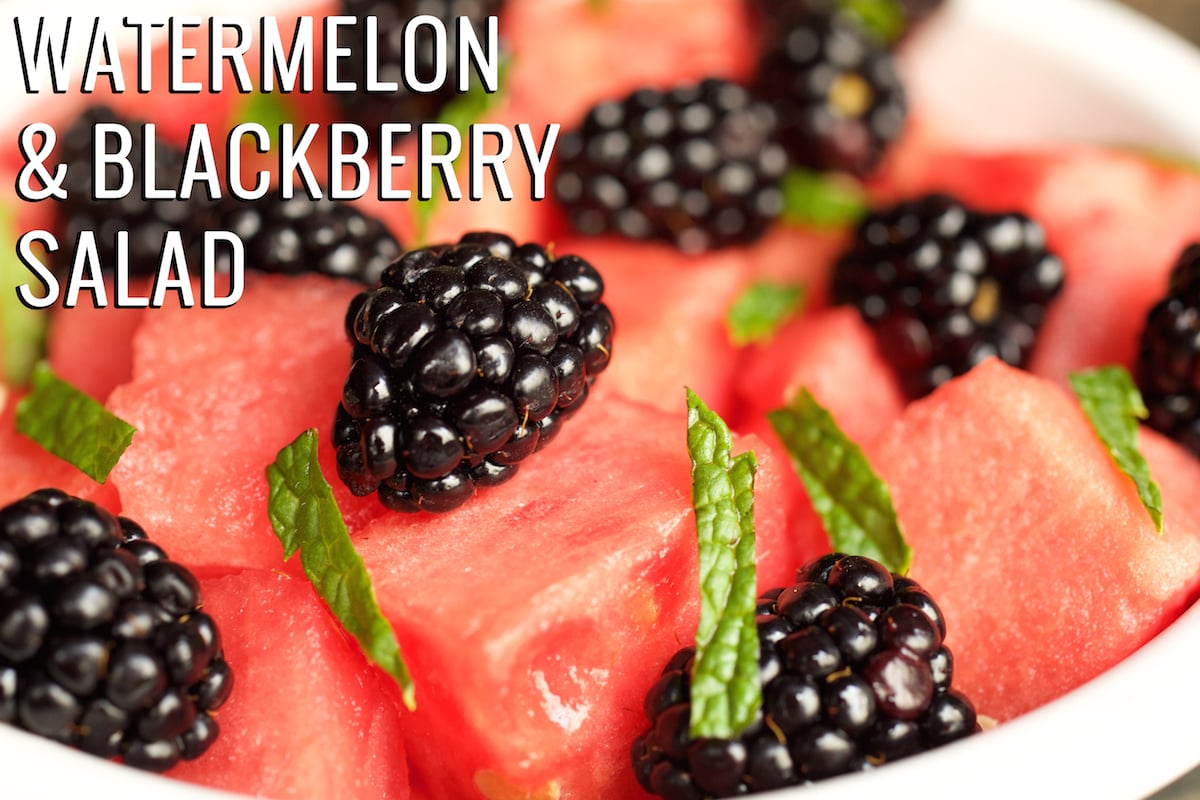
x: 1044, y: 561
x: 535, y: 617
x: 215, y: 394
x: 308, y: 717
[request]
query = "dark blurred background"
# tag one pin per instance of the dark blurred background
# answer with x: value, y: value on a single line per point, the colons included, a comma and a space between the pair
x: 1182, y: 16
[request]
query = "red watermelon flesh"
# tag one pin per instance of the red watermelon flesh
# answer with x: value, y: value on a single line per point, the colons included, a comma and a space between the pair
x: 603, y: 51
x: 215, y: 394
x: 832, y: 353
x: 309, y: 717
x: 1044, y: 561
x: 531, y: 663
x: 669, y: 311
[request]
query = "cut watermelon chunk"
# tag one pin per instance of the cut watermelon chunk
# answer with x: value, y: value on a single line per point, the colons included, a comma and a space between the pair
x: 1044, y: 561
x: 535, y: 617
x: 602, y: 51
x: 670, y: 318
x: 309, y: 717
x: 215, y: 394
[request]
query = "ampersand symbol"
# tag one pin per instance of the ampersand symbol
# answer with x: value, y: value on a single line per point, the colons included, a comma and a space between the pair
x: 35, y: 164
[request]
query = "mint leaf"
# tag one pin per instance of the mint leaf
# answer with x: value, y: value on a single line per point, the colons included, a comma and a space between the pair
x: 306, y: 517
x: 1113, y: 406
x: 822, y: 199
x: 882, y: 19
x: 761, y: 309
x: 269, y: 109
x: 461, y: 112
x: 726, y: 692
x: 22, y: 330
x: 852, y: 500
x: 71, y: 425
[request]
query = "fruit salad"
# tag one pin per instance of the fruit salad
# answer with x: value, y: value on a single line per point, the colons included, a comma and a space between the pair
x: 452, y: 480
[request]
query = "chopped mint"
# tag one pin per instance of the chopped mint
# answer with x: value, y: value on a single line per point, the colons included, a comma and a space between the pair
x: 1113, y: 406
x: 1167, y: 158
x: 71, y: 425
x: 882, y: 19
x: 852, y: 500
x: 599, y: 7
x: 761, y: 309
x: 461, y: 113
x: 726, y: 692
x: 822, y: 199
x: 306, y: 517
x: 22, y: 330
x: 269, y: 109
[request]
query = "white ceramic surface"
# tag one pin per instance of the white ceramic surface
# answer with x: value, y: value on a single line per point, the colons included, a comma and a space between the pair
x: 998, y: 73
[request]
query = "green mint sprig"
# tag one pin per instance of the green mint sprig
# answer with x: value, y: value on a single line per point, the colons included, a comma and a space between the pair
x: 305, y: 517
x: 726, y: 692
x: 884, y: 20
x: 822, y: 199
x: 761, y: 310
x: 71, y: 425
x: 853, y: 502
x: 1113, y: 405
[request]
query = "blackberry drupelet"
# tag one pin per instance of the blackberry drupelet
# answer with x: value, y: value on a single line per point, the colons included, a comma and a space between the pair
x: 945, y: 286
x: 835, y: 91
x: 297, y: 235
x: 372, y: 109
x: 1168, y: 365
x: 147, y: 221
x: 855, y: 675
x: 697, y: 166
x: 467, y: 359
x: 103, y: 643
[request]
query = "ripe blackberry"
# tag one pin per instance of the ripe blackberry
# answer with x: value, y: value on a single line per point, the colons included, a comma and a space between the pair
x: 854, y: 675
x: 945, y: 286
x: 147, y: 221
x: 103, y: 645
x: 697, y: 166
x: 467, y: 358
x: 303, y: 235
x: 835, y: 91
x: 373, y: 109
x: 1168, y: 366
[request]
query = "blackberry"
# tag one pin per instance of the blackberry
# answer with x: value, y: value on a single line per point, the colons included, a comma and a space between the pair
x: 854, y: 674
x: 373, y: 109
x: 147, y: 221
x: 467, y: 358
x: 945, y: 286
x: 103, y: 643
x: 835, y: 90
x: 1168, y: 365
x: 297, y: 235
x: 697, y: 166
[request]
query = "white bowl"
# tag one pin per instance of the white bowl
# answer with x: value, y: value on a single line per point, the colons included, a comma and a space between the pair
x: 998, y: 74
